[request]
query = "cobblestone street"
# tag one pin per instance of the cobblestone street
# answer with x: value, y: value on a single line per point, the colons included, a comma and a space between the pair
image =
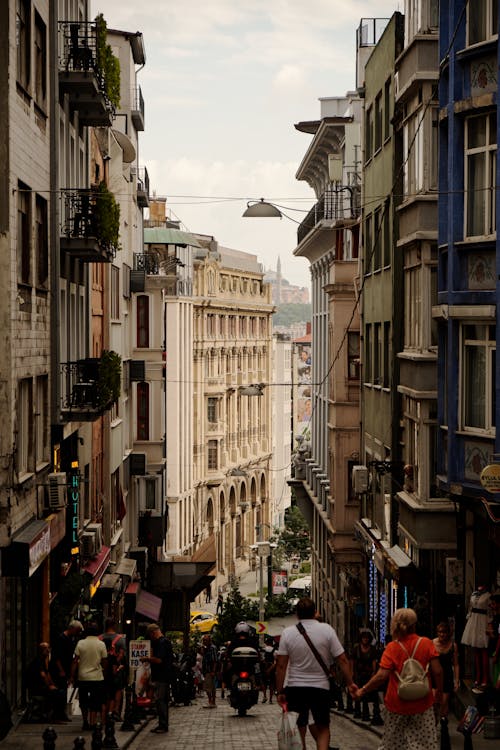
x: 194, y: 727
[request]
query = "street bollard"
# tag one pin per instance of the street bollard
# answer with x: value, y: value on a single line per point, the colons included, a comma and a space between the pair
x: 96, y: 743
x: 79, y: 743
x: 128, y: 716
x: 109, y: 733
x: 468, y: 740
x: 49, y: 738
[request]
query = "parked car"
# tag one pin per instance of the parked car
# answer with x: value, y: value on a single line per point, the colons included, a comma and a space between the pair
x: 204, y: 622
x: 297, y: 589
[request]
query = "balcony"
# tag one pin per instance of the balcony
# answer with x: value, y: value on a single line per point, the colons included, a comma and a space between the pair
x: 90, y: 386
x: 137, y: 110
x: 335, y: 205
x: 80, y: 76
x: 149, y: 263
x: 142, y: 188
x: 91, y: 225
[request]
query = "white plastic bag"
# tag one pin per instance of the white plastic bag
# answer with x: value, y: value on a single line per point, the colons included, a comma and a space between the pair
x: 288, y: 734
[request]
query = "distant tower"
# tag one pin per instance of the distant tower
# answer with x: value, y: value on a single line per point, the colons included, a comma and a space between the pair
x: 278, y: 281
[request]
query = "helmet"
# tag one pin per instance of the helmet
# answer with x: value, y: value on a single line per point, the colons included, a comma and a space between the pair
x: 242, y: 627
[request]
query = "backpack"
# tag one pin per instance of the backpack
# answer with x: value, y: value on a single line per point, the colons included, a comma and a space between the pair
x: 413, y: 678
x: 113, y: 652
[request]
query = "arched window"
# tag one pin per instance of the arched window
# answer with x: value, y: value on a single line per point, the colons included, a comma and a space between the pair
x: 142, y: 321
x: 142, y: 411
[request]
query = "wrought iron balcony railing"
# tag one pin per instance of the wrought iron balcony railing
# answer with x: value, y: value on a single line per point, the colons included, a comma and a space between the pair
x: 87, y: 225
x: 143, y: 187
x: 336, y: 204
x: 90, y: 386
x: 137, y: 109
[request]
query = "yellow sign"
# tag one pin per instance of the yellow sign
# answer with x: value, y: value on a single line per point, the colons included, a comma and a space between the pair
x: 261, y: 627
x: 490, y: 478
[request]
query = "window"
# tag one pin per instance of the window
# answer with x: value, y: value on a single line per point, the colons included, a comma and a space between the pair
x: 434, y: 160
x: 368, y: 245
x: 25, y: 432
x: 368, y: 354
x: 40, y: 62
x: 23, y: 23
x: 413, y: 317
x: 353, y: 361
x: 377, y: 239
x: 480, y: 167
x: 377, y: 350
x: 212, y: 457
x: 413, y: 155
x: 115, y: 293
x: 41, y: 417
x: 142, y: 321
x: 368, y: 133
x: 212, y: 409
x: 421, y: 16
x: 478, y: 377
x: 386, y: 355
x: 41, y: 243
x: 378, y: 123
x: 482, y: 20
x: 211, y: 326
x: 387, y: 236
x: 23, y: 233
x: 142, y: 411
x: 387, y: 108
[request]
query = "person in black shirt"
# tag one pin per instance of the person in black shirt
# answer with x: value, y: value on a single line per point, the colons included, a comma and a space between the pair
x: 63, y: 648
x: 161, y: 661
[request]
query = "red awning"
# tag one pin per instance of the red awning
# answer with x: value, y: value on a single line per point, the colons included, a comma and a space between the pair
x: 98, y: 565
x: 148, y: 605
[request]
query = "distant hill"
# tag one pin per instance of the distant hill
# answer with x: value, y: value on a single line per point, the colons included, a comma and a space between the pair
x: 291, y: 313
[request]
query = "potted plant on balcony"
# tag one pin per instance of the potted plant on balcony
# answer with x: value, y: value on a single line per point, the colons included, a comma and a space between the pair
x: 107, y: 218
x: 107, y: 64
x: 109, y: 383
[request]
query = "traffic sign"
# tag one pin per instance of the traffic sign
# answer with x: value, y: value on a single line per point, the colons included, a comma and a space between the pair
x: 261, y: 627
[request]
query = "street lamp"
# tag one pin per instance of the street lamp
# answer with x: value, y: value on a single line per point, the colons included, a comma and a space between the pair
x: 263, y: 550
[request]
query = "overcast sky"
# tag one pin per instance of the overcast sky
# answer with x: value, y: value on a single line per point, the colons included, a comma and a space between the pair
x: 224, y: 83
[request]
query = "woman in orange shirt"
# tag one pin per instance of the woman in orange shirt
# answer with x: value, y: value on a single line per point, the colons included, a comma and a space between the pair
x: 408, y: 724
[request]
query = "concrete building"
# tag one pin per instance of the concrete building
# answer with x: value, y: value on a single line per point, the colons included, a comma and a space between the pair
x: 426, y: 527
x: 467, y: 298
x: 329, y: 238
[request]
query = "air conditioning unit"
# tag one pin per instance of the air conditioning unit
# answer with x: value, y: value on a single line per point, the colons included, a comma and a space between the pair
x: 360, y: 479
x: 96, y: 529
x: 88, y: 544
x: 57, y: 482
x: 149, y: 494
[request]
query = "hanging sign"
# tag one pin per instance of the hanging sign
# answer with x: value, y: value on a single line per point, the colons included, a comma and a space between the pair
x: 490, y: 478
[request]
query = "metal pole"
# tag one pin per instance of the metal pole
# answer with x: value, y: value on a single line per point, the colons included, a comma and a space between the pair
x: 261, y: 592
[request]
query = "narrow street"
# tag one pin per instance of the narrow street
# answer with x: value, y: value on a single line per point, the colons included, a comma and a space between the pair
x: 194, y: 727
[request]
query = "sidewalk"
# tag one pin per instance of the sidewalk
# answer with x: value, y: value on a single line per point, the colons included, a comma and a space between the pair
x: 479, y: 742
x: 31, y: 735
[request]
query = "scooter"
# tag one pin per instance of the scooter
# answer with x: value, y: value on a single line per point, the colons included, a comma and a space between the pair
x: 182, y: 687
x: 244, y: 689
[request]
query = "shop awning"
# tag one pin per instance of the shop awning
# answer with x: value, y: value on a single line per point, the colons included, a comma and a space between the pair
x: 97, y: 567
x: 148, y: 605
x: 27, y: 551
x: 126, y: 567
x: 109, y: 588
x: 169, y: 236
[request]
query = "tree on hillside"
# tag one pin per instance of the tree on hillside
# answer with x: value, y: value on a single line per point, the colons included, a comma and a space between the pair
x: 293, y: 540
x: 292, y: 312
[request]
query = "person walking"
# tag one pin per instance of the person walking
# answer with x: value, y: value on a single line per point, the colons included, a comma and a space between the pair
x: 40, y: 683
x: 161, y: 661
x: 220, y: 604
x: 448, y: 658
x: 63, y: 648
x: 364, y: 665
x: 116, y: 674
x: 307, y: 651
x: 89, y: 664
x: 408, y: 724
x: 209, y: 669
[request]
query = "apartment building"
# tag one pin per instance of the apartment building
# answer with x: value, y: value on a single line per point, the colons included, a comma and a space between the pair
x: 328, y: 436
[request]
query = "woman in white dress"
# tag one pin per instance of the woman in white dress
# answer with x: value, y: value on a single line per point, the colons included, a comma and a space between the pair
x: 475, y: 634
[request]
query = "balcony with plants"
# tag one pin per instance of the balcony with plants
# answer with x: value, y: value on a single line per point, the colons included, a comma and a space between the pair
x: 90, y: 386
x: 89, y: 72
x: 91, y: 228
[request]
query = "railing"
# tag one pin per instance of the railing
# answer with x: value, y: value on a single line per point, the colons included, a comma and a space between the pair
x: 84, y: 219
x: 370, y: 30
x: 336, y: 204
x: 148, y: 262
x: 79, y: 47
x: 138, y: 100
x: 143, y: 180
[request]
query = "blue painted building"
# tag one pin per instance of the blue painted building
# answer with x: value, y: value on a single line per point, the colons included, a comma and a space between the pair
x: 468, y: 289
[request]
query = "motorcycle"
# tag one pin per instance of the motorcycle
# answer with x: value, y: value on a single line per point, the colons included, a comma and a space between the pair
x: 244, y: 688
x: 182, y: 687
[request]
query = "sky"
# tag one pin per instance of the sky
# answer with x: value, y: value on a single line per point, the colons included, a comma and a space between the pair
x: 224, y: 83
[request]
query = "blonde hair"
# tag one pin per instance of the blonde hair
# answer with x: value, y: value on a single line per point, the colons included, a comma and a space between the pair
x: 403, y: 622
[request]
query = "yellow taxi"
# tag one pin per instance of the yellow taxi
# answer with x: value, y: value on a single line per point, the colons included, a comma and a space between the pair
x: 203, y: 622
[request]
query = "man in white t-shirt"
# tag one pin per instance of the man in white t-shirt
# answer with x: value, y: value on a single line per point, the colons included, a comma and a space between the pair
x: 307, y: 682
x: 88, y: 666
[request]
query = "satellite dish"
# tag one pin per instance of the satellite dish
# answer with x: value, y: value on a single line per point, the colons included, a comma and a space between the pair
x: 126, y: 145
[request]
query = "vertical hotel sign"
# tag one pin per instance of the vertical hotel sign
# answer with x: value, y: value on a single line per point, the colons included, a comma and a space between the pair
x: 73, y: 515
